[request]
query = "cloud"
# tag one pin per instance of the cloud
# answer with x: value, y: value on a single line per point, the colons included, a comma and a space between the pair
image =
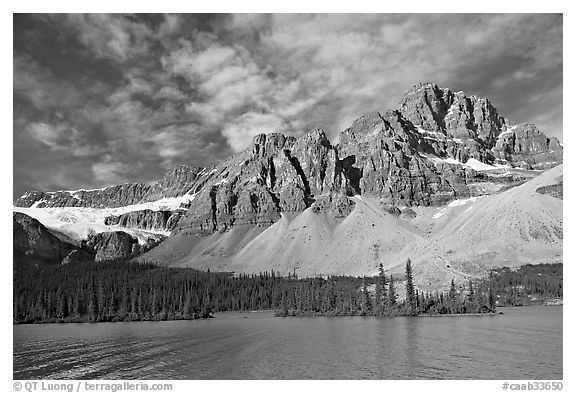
x: 41, y: 88
x: 109, y: 171
x: 49, y: 135
x: 109, y: 36
x: 61, y: 137
x: 248, y: 125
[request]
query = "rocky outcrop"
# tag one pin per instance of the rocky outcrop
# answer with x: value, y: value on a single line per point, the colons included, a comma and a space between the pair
x: 333, y: 205
x: 75, y: 256
x: 524, y: 146
x: 35, y: 245
x: 555, y: 190
x: 112, y: 246
x: 164, y: 220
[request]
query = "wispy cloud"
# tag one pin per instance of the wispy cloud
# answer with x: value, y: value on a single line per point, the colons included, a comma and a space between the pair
x: 108, y: 35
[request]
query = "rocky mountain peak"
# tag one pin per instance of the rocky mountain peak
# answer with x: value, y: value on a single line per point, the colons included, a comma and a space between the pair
x: 315, y: 136
x: 265, y: 145
x: 413, y: 155
x: 426, y: 105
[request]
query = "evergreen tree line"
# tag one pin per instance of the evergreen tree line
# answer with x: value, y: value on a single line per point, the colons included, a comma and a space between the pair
x: 127, y: 291
x: 525, y: 285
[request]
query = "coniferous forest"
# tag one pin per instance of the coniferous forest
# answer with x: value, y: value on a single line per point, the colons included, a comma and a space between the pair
x: 128, y: 291
x: 529, y: 284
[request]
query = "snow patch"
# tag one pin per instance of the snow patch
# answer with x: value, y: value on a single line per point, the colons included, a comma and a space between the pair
x: 453, y: 204
x: 461, y: 202
x: 477, y: 165
x: 82, y: 189
x: 35, y: 204
x: 421, y: 130
x: 221, y: 181
x: 451, y: 109
x: 508, y: 130
x: 439, y: 160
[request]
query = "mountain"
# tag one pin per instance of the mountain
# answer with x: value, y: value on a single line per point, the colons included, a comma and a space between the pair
x: 462, y: 239
x: 305, y: 203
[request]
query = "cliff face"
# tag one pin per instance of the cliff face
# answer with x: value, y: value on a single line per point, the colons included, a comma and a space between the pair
x: 163, y: 220
x: 113, y: 245
x: 381, y: 158
x: 415, y: 155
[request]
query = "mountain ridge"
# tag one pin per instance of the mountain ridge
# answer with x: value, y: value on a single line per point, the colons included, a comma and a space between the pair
x: 430, y: 119
x: 437, y: 147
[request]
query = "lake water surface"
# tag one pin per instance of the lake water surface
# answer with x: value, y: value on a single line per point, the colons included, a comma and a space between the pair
x: 524, y: 343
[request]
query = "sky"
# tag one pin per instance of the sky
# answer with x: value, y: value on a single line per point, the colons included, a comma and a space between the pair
x: 103, y: 99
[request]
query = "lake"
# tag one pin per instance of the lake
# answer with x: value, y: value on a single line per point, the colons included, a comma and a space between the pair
x: 523, y: 343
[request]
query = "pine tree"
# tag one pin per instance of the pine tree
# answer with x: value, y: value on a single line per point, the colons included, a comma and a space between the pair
x: 61, y: 303
x: 102, y: 312
x: 452, y: 298
x: 78, y: 303
x: 331, y: 295
x: 92, y: 302
x: 391, y: 293
x: 470, y: 295
x: 366, y: 303
x: 381, y: 296
x: 284, y: 303
x: 134, y: 306
x: 491, y: 300
x: 124, y: 308
x: 410, y: 295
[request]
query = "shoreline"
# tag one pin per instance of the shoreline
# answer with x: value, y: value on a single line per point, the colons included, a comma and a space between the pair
x: 243, y: 315
x: 491, y: 314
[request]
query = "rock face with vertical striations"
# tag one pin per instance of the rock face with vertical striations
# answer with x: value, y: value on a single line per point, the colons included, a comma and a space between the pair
x: 380, y: 157
x: 163, y: 220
